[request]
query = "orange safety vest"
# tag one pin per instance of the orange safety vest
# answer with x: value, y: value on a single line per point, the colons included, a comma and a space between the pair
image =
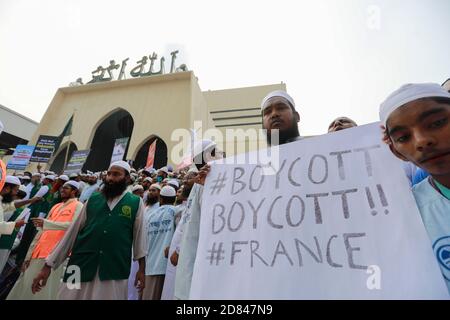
x: 61, y: 212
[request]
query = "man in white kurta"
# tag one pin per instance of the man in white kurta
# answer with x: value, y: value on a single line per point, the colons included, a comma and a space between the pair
x: 97, y: 289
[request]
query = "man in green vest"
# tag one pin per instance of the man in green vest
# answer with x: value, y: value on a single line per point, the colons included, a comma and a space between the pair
x: 37, y: 209
x: 108, y: 231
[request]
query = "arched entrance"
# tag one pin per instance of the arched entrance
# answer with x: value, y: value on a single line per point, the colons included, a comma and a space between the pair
x: 160, y: 154
x: 118, y: 124
x: 58, y: 163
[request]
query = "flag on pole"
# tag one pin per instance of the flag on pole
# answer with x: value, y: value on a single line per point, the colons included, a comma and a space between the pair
x: 151, y: 155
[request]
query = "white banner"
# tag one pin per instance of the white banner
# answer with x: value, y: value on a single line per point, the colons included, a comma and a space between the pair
x: 336, y: 221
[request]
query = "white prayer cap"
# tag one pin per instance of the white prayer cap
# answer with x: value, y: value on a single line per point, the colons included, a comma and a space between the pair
x: 123, y: 164
x: 148, y: 179
x: 36, y: 174
x: 63, y: 177
x: 50, y: 177
x: 202, y: 146
x: 174, y: 183
x: 137, y: 187
x: 279, y: 94
x: 1, y: 127
x: 72, y: 183
x: 168, y: 191
x: 25, y: 178
x: 164, y: 169
x: 407, y: 93
x: 156, y: 186
x: 13, y: 180
x: 73, y: 175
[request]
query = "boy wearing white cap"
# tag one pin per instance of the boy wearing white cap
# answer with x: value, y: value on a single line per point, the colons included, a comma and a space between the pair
x: 102, y: 241
x: 161, y: 226
x: 416, y: 118
x: 51, y: 231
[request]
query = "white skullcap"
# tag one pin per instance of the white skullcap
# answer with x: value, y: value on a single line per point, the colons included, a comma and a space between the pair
x: 148, y: 179
x: 73, y: 175
x: 168, y: 191
x: 12, y: 180
x: 137, y: 187
x: 193, y: 169
x: 25, y: 178
x: 407, y: 93
x: 1, y: 127
x: 50, y: 177
x: 72, y: 183
x: 174, y: 183
x: 164, y: 169
x: 36, y: 174
x: 202, y: 146
x: 156, y: 186
x: 63, y: 177
x: 122, y: 164
x: 280, y: 94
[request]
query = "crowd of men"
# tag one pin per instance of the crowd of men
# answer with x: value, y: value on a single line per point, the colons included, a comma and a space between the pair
x: 127, y: 234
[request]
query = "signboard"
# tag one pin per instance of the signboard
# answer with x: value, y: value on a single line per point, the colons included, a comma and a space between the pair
x: 120, y: 147
x: 2, y: 174
x: 45, y: 147
x: 21, y: 157
x: 336, y: 220
x: 151, y: 155
x: 77, y: 161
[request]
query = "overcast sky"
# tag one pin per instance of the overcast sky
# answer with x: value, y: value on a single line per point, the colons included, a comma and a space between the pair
x: 337, y: 57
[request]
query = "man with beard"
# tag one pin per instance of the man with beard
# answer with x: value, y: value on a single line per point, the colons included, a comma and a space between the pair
x: 174, y: 249
x: 90, y: 189
x: 160, y: 231
x: 146, y: 183
x: 7, y: 195
x: 40, y: 208
x: 101, y: 243
x: 341, y: 123
x: 51, y: 231
x: 16, y: 208
x: 279, y: 116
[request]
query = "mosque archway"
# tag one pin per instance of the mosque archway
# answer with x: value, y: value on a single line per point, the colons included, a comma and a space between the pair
x: 118, y: 124
x: 160, y: 153
x: 58, y: 162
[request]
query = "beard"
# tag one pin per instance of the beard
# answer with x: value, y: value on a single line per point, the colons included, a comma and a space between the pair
x: 186, y: 191
x: 7, y: 198
x: 152, y: 201
x: 113, y: 189
x: 284, y: 135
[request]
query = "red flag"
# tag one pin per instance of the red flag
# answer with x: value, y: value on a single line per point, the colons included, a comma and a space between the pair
x: 151, y: 155
x: 2, y: 174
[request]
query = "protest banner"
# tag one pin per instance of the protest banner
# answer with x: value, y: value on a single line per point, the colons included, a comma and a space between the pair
x: 337, y: 220
x: 120, y: 146
x: 2, y: 174
x: 151, y: 155
x: 77, y: 161
x: 21, y: 157
x: 45, y: 147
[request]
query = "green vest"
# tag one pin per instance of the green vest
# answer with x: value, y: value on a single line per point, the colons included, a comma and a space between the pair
x: 106, y: 240
x: 7, y: 241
